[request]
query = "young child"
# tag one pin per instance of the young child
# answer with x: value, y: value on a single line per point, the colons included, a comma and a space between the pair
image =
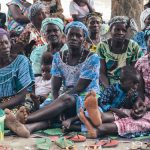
x: 121, y: 95
x: 125, y: 122
x: 43, y: 83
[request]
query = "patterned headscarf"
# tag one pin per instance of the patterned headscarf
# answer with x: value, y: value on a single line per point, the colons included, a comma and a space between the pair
x: 4, y: 32
x: 34, y: 9
x: 130, y: 23
x: 94, y: 14
x: 77, y: 24
x: 55, y: 21
x: 143, y: 16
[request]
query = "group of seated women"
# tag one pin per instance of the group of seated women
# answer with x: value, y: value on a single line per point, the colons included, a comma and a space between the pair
x: 70, y: 73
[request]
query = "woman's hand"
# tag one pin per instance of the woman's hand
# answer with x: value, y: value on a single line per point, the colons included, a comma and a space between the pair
x: 139, y: 110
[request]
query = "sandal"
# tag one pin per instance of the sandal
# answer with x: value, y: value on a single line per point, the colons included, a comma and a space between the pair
x: 108, y: 143
x: 76, y: 138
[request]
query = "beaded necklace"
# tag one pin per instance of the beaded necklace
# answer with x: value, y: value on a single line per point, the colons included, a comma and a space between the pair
x: 80, y: 59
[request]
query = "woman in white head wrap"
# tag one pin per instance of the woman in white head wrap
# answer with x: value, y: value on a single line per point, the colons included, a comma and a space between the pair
x: 145, y: 18
x: 145, y: 25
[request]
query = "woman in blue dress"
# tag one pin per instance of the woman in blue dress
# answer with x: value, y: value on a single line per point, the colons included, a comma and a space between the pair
x: 77, y: 69
x: 16, y: 77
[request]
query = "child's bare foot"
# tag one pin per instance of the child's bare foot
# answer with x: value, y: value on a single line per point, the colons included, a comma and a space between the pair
x: 91, y: 105
x: 22, y: 114
x: 67, y: 123
x: 91, y: 131
x: 14, y: 125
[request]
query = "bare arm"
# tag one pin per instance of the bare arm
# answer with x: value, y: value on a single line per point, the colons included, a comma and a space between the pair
x: 17, y: 15
x: 56, y: 85
x: 103, y: 76
x: 18, y: 99
x: 81, y: 86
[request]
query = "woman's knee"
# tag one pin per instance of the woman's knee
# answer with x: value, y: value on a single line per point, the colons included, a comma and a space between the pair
x: 67, y: 99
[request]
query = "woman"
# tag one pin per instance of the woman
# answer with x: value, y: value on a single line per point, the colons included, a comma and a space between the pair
x: 53, y: 8
x: 145, y: 26
x: 79, y: 9
x: 117, y: 51
x: 31, y: 37
x: 77, y: 69
x: 52, y: 28
x: 15, y: 78
x: 94, y: 21
x: 18, y: 15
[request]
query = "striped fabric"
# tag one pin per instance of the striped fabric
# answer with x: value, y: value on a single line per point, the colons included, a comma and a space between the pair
x: 15, y: 77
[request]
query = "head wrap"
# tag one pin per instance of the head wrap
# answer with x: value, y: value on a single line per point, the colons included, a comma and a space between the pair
x: 77, y: 24
x: 129, y: 22
x: 4, y: 32
x: 56, y: 21
x: 143, y: 16
x: 94, y: 14
x: 34, y: 9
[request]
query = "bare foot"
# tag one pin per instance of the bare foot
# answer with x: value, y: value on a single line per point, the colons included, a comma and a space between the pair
x: 91, y: 105
x: 91, y: 131
x: 22, y: 114
x: 14, y: 125
x: 67, y: 123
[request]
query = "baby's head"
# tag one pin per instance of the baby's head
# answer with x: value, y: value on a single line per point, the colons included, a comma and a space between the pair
x: 129, y: 78
x: 47, y: 59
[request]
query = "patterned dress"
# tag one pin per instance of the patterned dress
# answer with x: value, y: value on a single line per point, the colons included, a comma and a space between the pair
x: 89, y: 69
x: 15, y: 77
x: 114, y: 62
x: 12, y: 24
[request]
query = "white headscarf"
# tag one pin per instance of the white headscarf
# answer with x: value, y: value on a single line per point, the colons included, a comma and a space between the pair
x: 143, y: 16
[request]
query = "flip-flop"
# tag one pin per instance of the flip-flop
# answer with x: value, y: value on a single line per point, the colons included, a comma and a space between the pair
x: 76, y: 138
x: 107, y: 143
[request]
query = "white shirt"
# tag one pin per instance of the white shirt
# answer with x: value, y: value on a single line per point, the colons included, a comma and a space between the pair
x: 75, y: 9
x: 42, y: 87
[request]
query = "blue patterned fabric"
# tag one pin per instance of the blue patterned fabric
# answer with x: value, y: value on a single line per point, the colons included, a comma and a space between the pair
x: 115, y: 97
x: 89, y: 69
x: 139, y: 38
x: 15, y: 77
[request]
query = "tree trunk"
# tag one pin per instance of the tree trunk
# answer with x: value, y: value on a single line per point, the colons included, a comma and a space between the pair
x: 130, y: 8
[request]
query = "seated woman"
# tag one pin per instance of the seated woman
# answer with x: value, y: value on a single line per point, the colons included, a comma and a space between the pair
x: 79, y: 9
x: 142, y: 66
x: 93, y: 21
x: 17, y: 15
x: 15, y: 77
x: 129, y: 122
x: 77, y: 69
x: 31, y: 37
x: 145, y: 27
x: 53, y: 8
x: 52, y: 28
x: 116, y: 51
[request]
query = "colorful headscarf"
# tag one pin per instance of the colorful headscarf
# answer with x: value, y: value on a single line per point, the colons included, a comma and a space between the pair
x: 143, y: 16
x: 4, y: 32
x: 94, y: 14
x: 34, y: 9
x: 77, y: 24
x: 55, y: 21
x: 129, y: 22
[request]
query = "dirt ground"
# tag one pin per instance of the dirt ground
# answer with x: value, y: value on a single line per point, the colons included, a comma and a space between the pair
x: 16, y: 143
